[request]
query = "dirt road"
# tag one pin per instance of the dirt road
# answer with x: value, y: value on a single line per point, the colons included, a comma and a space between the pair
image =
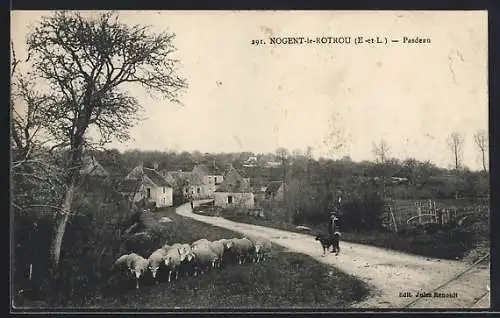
x: 388, y: 272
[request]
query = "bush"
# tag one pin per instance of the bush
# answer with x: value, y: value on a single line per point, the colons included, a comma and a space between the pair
x: 235, y: 213
x: 179, y: 198
x: 92, y: 242
x: 363, y: 211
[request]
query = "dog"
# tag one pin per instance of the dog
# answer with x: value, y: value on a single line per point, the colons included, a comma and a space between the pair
x: 327, y: 242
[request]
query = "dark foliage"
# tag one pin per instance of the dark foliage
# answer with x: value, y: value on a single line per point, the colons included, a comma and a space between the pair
x: 92, y: 242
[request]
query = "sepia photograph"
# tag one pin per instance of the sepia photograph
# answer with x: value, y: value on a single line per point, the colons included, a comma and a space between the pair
x: 249, y: 160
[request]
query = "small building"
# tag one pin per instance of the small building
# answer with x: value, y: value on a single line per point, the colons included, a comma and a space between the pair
x: 211, y: 175
x: 399, y: 180
x: 147, y: 184
x: 190, y: 184
x: 234, y: 191
x: 275, y: 191
x: 272, y: 164
x: 92, y: 167
x: 250, y: 162
x: 131, y: 188
x: 197, y: 187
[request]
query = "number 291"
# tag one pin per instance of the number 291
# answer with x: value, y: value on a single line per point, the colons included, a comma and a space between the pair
x: 257, y: 42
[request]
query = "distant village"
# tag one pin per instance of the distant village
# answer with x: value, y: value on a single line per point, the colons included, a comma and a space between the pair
x: 225, y: 186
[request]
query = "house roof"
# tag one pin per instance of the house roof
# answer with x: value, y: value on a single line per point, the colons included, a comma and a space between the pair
x: 156, y: 177
x: 274, y: 186
x: 128, y: 185
x: 211, y: 170
x: 92, y: 167
x: 191, y: 177
x: 243, y: 173
x: 138, y: 172
x: 232, y: 175
x: 239, y: 186
x: 234, y: 182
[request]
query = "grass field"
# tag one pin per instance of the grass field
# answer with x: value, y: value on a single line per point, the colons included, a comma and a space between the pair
x: 286, y: 280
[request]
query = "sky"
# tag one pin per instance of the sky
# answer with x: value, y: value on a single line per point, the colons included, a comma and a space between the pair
x: 259, y: 98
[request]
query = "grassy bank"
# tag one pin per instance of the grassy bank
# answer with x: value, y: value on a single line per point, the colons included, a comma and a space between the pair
x: 468, y: 242
x: 286, y: 280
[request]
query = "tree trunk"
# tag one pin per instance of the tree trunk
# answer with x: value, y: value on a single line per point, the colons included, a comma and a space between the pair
x: 61, y: 222
x: 484, y: 161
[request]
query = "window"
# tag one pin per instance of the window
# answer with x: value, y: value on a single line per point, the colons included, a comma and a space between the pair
x: 149, y: 193
x: 163, y: 189
x: 198, y: 190
x: 229, y: 199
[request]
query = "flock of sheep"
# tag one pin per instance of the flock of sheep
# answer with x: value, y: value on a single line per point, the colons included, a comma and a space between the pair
x: 193, y: 259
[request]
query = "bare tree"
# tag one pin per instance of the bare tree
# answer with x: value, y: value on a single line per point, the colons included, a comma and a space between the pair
x: 456, y: 143
x: 86, y: 62
x: 283, y: 156
x: 381, y: 151
x: 27, y: 121
x: 481, y: 141
x: 35, y: 178
x: 336, y: 139
x: 309, y: 150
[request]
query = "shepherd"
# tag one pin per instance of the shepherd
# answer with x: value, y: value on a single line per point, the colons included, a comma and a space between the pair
x: 332, y: 228
x: 332, y: 225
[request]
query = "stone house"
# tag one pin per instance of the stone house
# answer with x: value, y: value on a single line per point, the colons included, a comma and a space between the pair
x: 147, y: 184
x: 212, y: 176
x: 234, y: 191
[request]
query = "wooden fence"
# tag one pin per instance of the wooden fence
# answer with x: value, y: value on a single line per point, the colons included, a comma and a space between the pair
x: 398, y: 213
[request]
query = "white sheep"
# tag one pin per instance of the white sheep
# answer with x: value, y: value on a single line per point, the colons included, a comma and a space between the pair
x: 204, y: 258
x: 200, y: 241
x: 166, y: 246
x: 214, y: 247
x: 186, y: 266
x: 156, y: 260
x: 263, y: 247
x: 173, y: 260
x: 185, y: 248
x: 243, y: 249
x: 134, y: 263
x: 220, y: 247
